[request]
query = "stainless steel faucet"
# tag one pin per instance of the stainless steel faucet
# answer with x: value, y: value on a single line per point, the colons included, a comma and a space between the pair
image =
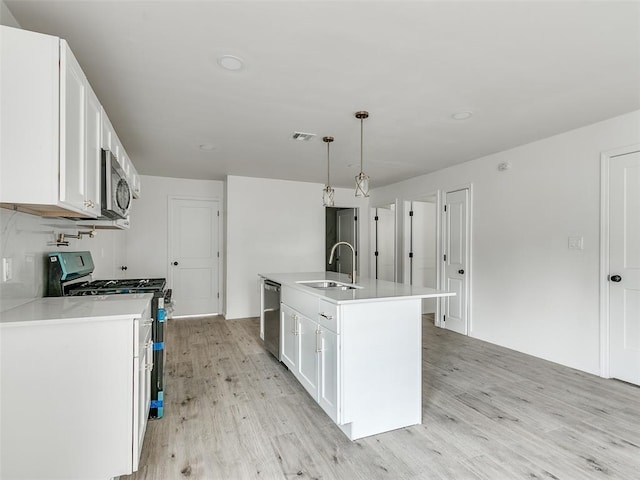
x: 353, y: 261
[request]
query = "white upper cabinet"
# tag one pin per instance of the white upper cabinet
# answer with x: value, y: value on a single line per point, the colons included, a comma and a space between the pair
x: 73, y: 105
x: 92, y: 152
x: 80, y: 124
x: 51, y: 128
x: 29, y: 98
x: 134, y: 181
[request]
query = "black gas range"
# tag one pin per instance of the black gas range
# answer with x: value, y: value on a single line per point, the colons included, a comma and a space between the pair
x: 67, y: 276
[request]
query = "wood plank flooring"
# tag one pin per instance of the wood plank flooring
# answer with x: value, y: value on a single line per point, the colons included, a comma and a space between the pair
x: 234, y: 412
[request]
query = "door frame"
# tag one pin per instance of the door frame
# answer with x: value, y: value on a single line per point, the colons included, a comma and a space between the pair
x: 221, y: 248
x: 469, y: 251
x: 605, y: 323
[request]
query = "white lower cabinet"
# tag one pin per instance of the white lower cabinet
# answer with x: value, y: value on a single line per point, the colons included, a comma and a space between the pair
x: 360, y: 361
x: 307, y: 368
x: 310, y: 350
x: 75, y: 393
x: 328, y: 373
x: 142, y: 396
x: 288, y: 337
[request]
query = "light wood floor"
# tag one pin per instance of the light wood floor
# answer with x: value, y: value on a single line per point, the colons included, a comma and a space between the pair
x: 234, y: 412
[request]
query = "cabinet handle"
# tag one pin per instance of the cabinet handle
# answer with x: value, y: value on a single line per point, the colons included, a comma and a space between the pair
x: 318, y: 341
x: 327, y: 316
x: 295, y: 324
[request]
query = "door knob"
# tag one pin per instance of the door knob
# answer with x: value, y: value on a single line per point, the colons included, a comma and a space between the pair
x: 461, y: 272
x: 615, y: 278
x: 175, y: 263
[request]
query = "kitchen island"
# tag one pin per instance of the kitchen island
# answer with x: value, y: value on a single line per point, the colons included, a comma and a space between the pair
x: 356, y: 348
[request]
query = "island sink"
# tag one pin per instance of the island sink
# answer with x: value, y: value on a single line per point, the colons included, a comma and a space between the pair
x: 328, y: 285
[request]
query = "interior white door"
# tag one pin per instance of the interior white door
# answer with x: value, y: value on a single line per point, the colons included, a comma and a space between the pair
x: 624, y: 264
x: 194, y: 256
x: 423, y: 261
x: 384, y: 254
x: 346, y: 233
x: 456, y: 260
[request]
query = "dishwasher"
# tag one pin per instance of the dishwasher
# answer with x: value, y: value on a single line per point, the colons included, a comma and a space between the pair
x: 272, y: 317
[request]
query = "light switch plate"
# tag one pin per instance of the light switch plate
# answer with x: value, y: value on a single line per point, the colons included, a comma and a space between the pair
x: 576, y: 242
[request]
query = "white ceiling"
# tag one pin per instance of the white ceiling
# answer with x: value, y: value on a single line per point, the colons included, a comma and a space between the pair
x: 527, y: 69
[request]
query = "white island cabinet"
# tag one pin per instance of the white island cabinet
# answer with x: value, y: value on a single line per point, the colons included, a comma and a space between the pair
x: 75, y: 382
x: 358, y: 352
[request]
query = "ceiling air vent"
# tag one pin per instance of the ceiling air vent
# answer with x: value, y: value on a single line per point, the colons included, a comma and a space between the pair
x: 303, y: 137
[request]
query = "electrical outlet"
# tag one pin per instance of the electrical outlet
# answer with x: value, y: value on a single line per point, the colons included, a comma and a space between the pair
x: 7, y: 273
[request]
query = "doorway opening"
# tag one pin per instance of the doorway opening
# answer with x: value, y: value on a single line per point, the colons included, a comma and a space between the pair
x: 341, y: 225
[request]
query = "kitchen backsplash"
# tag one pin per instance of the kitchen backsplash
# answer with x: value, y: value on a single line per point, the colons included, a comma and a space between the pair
x: 25, y: 241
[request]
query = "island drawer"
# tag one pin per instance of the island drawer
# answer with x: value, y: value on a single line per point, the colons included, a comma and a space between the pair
x: 304, y: 303
x: 328, y: 315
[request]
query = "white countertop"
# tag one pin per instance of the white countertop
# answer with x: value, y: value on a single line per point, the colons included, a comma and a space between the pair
x: 372, y: 290
x: 74, y: 309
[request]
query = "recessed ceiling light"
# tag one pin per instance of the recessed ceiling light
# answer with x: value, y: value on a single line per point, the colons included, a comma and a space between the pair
x: 231, y: 62
x: 207, y: 147
x: 462, y: 115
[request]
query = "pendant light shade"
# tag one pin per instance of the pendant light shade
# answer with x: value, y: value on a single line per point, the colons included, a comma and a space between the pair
x: 362, y: 179
x: 327, y: 191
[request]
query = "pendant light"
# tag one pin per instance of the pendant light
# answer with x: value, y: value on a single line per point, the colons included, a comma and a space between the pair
x: 362, y: 180
x: 327, y: 192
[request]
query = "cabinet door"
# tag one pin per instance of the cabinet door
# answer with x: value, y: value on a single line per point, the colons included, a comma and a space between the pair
x: 73, y: 97
x: 288, y: 336
x: 106, y: 136
x: 328, y: 373
x: 308, y: 346
x: 145, y: 365
x: 92, y: 154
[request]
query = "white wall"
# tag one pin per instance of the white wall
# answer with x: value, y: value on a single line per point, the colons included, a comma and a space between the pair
x: 530, y: 292
x: 147, y: 239
x: 275, y: 226
x: 25, y: 239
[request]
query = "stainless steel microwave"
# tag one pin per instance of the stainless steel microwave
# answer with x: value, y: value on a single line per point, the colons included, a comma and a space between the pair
x: 115, y: 191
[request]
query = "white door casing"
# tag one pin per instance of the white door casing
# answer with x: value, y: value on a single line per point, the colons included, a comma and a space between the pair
x: 621, y: 271
x: 456, y: 250
x: 194, y: 255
